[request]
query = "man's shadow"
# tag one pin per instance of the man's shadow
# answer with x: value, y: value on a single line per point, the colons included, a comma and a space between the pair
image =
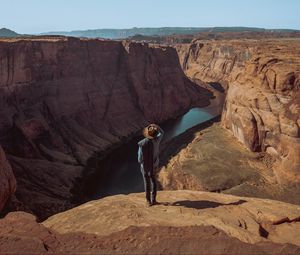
x: 200, y: 204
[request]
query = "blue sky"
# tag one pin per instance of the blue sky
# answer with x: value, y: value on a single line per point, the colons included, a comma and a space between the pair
x: 35, y: 16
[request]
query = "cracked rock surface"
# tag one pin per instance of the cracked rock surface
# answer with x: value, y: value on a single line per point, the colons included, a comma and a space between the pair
x: 250, y: 220
x: 14, y: 239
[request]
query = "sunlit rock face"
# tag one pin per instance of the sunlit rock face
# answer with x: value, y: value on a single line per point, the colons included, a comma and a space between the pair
x: 186, y: 223
x: 64, y: 99
x: 262, y: 79
x: 248, y: 219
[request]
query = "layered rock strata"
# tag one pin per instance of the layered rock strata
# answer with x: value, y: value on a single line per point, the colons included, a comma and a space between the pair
x: 64, y: 99
x: 262, y: 79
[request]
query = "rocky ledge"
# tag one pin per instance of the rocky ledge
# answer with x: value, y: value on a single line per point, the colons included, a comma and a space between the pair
x: 183, y: 222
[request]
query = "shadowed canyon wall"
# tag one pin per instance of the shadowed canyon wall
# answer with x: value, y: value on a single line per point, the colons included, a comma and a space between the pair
x: 262, y: 79
x: 65, y: 99
x: 7, y: 179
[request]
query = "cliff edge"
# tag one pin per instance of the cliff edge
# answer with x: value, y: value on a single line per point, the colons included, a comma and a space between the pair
x: 184, y: 222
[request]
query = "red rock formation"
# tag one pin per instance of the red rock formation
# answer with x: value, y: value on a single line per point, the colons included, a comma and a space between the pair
x: 262, y: 107
x: 156, y: 239
x: 64, y: 99
x: 7, y: 179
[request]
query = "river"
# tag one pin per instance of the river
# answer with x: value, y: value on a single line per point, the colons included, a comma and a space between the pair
x: 120, y: 171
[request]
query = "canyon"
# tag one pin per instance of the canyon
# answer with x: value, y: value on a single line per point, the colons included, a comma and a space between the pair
x: 262, y: 83
x: 261, y: 80
x: 68, y: 102
x: 63, y: 100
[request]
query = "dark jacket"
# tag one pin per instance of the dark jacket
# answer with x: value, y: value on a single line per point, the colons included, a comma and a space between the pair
x: 148, y: 153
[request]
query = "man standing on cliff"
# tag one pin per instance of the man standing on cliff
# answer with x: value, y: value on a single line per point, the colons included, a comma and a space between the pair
x: 148, y: 157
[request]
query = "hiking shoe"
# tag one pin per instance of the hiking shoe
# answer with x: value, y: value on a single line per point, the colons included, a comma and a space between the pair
x: 154, y: 202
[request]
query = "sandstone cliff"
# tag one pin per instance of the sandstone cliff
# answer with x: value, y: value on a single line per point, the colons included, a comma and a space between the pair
x: 65, y: 99
x: 250, y: 220
x: 185, y: 222
x: 262, y: 79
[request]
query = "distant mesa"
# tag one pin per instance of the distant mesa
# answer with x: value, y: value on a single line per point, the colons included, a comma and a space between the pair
x: 159, y: 31
x: 167, y: 34
x: 4, y: 32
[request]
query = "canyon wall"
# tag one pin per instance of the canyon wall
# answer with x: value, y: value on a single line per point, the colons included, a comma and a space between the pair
x: 7, y: 180
x: 65, y: 99
x: 262, y: 79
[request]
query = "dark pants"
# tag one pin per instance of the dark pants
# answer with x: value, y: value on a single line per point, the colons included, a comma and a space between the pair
x: 150, y: 184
